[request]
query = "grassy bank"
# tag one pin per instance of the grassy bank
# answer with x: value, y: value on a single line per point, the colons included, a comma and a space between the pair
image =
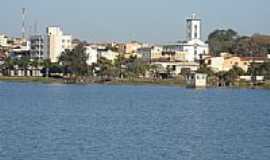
x: 31, y: 79
x: 170, y: 82
x: 261, y: 85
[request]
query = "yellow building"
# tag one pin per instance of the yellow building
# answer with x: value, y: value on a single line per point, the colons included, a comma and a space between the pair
x: 225, y: 63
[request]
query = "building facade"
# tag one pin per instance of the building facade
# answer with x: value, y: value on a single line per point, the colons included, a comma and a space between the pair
x: 3, y: 40
x: 38, y: 47
x: 92, y: 55
x: 193, y: 28
x: 57, y: 43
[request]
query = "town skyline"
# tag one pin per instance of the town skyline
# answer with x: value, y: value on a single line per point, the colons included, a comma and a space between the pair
x: 122, y: 21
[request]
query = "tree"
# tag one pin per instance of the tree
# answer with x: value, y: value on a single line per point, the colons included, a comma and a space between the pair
x: 231, y: 76
x: 105, y: 68
x: 246, y: 46
x: 221, y: 41
x: 119, y: 64
x: 23, y: 63
x: 206, y: 70
x: 137, y: 67
x: 74, y: 61
x: 260, y: 69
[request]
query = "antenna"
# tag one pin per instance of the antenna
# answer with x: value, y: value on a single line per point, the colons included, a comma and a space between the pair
x: 36, y: 27
x: 23, y: 22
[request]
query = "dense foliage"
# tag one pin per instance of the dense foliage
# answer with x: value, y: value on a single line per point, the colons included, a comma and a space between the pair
x: 229, y: 41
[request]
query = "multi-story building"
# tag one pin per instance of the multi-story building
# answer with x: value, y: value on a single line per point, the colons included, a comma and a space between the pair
x: 57, y: 43
x: 176, y: 53
x: 3, y: 40
x: 92, y: 55
x: 150, y: 53
x: 38, y: 47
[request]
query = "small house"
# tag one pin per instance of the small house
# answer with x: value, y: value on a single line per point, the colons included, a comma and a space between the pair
x: 196, y: 80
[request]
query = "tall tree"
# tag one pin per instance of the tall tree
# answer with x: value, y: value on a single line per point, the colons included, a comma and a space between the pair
x: 74, y: 61
x: 105, y: 68
x: 221, y: 41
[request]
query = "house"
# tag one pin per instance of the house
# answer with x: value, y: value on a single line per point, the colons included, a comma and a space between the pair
x: 226, y: 62
x: 107, y: 53
x: 92, y: 53
x: 177, y: 67
x: 3, y: 40
x: 176, y: 53
x: 250, y: 78
x: 150, y: 53
x: 196, y: 80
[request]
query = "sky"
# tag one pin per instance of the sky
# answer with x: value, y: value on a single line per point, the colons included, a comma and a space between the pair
x: 156, y: 21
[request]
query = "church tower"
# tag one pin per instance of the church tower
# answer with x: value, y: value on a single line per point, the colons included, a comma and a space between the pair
x: 193, y: 28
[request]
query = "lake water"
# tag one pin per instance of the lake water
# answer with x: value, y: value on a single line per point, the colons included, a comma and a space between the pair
x: 73, y: 122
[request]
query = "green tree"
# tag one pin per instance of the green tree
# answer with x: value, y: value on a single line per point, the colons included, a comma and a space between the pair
x: 120, y: 66
x: 23, y: 63
x: 263, y: 69
x: 137, y: 68
x: 230, y: 77
x: 221, y: 41
x: 105, y: 68
x: 74, y: 61
x: 206, y: 70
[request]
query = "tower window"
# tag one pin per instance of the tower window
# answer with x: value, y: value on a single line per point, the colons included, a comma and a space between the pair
x: 195, y: 31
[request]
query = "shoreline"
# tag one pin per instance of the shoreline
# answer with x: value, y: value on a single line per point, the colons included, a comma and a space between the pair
x: 49, y: 80
x: 134, y: 82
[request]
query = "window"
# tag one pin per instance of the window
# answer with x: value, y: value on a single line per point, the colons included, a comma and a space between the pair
x: 195, y: 31
x: 173, y: 67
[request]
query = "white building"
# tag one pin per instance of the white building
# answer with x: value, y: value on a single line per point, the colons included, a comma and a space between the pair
x: 107, y: 53
x: 66, y: 42
x: 194, y: 48
x: 178, y: 67
x: 193, y: 28
x: 92, y: 55
x: 3, y: 40
x: 197, y: 80
x: 195, y: 45
x: 57, y: 43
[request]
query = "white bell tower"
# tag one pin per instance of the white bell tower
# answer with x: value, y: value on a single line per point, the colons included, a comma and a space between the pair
x: 193, y: 28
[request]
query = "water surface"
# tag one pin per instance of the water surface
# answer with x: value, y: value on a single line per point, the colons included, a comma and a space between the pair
x: 73, y: 122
